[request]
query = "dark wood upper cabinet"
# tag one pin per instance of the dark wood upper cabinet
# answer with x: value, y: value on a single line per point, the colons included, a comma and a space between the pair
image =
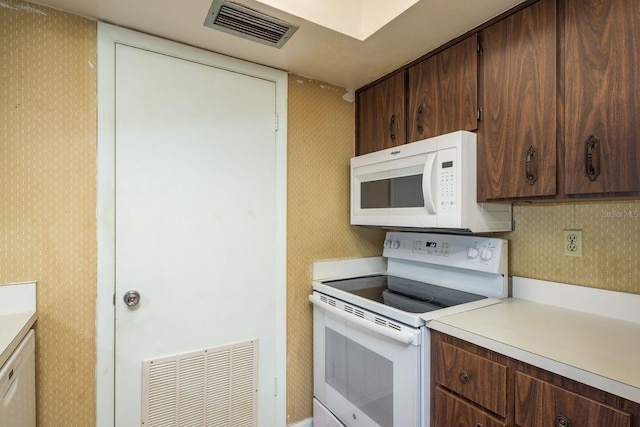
x: 443, y: 92
x: 517, y: 134
x: 381, y: 115
x: 557, y: 86
x: 600, y: 71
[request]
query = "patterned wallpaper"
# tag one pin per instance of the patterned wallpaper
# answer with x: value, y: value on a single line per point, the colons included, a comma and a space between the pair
x: 47, y: 196
x: 47, y: 209
x: 610, y: 250
x: 321, y: 137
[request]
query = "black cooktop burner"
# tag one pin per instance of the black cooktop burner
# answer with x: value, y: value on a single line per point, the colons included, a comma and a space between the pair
x: 404, y: 294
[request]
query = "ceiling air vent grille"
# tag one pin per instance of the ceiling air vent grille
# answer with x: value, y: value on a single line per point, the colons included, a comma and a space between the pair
x: 249, y: 24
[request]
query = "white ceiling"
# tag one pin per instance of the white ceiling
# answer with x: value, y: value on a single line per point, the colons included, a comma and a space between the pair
x: 314, y: 51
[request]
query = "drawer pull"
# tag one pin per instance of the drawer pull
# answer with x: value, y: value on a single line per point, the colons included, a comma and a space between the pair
x: 562, y: 421
x: 464, y: 377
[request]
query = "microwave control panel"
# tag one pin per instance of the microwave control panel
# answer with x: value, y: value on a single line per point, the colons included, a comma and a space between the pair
x: 447, y: 186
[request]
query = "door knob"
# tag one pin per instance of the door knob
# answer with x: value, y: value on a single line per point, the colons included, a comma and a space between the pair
x: 131, y: 298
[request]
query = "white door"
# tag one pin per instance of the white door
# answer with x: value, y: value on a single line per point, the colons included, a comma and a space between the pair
x: 197, y: 221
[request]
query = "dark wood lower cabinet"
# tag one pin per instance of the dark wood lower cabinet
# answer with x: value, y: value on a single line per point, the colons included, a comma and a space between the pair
x: 538, y: 403
x: 452, y: 411
x: 529, y: 396
x: 473, y: 376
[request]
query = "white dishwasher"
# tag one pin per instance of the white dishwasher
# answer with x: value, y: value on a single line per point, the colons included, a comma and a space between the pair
x: 18, y: 386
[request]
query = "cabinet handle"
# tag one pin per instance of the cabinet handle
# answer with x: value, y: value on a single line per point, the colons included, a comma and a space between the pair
x: 391, y: 128
x: 562, y: 421
x: 591, y: 168
x: 419, y: 119
x: 531, y: 164
x: 464, y: 377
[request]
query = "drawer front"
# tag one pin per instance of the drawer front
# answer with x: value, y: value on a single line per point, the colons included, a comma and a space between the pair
x: 450, y: 411
x: 539, y: 403
x: 474, y: 377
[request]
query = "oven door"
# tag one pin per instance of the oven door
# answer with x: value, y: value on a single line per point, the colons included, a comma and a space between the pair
x: 366, y: 373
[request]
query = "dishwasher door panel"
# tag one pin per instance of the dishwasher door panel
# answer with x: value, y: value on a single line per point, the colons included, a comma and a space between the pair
x: 18, y: 386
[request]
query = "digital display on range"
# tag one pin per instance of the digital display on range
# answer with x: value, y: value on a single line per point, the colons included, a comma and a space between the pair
x: 431, y: 244
x: 448, y: 164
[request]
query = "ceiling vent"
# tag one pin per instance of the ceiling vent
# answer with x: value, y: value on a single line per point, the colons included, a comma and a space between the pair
x: 248, y: 24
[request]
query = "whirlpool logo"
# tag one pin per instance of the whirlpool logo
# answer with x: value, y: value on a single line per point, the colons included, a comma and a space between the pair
x: 624, y: 213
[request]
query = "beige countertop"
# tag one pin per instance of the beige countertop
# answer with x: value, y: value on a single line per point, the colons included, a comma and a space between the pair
x: 17, y: 315
x: 598, y: 350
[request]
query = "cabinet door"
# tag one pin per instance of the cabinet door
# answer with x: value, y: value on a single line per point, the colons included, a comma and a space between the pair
x: 478, y: 379
x: 450, y: 411
x: 601, y: 96
x: 381, y: 115
x: 443, y: 92
x: 517, y: 134
x: 541, y: 404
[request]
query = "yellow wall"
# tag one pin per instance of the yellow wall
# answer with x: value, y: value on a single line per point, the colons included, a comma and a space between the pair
x: 611, y: 244
x: 320, y: 144
x: 47, y: 209
x: 47, y: 196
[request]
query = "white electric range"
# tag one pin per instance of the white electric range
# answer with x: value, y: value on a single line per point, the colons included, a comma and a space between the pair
x: 371, y: 345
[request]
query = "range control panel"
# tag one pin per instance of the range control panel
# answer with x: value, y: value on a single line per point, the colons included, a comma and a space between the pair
x: 469, y: 252
x: 432, y: 247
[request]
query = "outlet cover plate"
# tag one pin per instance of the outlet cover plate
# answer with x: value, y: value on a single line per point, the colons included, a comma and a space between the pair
x: 572, y: 243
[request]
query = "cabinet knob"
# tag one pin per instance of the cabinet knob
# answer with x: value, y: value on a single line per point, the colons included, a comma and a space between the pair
x: 562, y: 421
x: 464, y: 377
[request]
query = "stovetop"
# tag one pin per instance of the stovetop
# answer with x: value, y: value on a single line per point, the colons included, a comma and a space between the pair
x: 404, y: 294
x: 424, y: 276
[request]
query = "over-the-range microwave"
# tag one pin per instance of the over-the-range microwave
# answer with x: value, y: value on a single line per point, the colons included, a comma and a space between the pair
x: 428, y: 184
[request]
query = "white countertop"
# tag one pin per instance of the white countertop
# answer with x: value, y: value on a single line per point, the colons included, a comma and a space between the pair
x: 556, y: 335
x: 17, y: 315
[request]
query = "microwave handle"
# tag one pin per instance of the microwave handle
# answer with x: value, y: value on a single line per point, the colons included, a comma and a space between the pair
x: 403, y: 337
x: 427, y: 182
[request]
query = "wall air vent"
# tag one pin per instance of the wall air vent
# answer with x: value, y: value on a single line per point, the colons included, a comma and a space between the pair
x: 248, y: 24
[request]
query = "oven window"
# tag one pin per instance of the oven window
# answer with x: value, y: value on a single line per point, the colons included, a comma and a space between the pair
x: 401, y: 192
x: 360, y: 375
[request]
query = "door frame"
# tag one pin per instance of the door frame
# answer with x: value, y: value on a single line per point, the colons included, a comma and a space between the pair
x: 108, y: 37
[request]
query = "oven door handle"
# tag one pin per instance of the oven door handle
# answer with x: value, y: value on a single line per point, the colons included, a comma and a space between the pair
x: 401, y: 336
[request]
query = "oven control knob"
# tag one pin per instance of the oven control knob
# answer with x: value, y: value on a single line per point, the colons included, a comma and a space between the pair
x: 387, y: 243
x: 395, y: 244
x: 486, y: 254
x: 473, y: 253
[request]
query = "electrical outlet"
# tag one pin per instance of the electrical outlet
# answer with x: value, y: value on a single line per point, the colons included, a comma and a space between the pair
x: 572, y: 243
